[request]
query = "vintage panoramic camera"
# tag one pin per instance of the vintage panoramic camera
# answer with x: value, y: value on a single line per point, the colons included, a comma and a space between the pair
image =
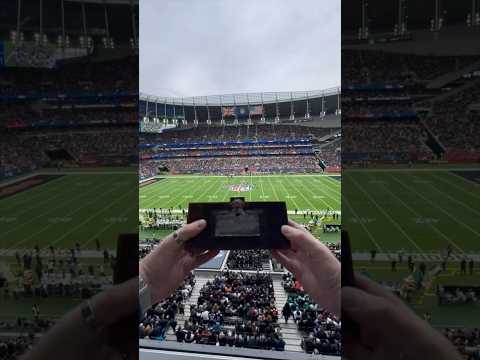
x: 239, y: 225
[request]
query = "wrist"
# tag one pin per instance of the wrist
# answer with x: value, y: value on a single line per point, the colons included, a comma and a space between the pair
x: 145, y: 299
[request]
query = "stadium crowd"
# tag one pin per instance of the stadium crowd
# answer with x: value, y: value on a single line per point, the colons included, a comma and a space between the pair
x: 12, y: 347
x: 240, y: 165
x: 160, y: 317
x: 244, y: 301
x: 23, y: 152
x: 386, y: 140
x: 161, y: 219
x: 253, y: 260
x: 455, y: 125
x: 458, y: 294
x: 57, y: 273
x: 323, y: 329
x: 466, y: 340
x: 367, y: 67
x: 204, y: 134
x: 73, y: 77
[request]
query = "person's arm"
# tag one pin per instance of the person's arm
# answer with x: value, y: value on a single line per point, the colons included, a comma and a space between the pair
x: 73, y: 337
x: 388, y: 328
x: 313, y: 265
x: 164, y: 269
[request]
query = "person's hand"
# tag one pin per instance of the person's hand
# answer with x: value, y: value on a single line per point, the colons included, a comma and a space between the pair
x: 313, y: 264
x: 72, y: 338
x: 169, y: 263
x: 388, y: 328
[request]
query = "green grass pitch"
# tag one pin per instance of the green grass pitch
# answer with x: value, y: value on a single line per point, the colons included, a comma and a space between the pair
x: 301, y: 192
x: 73, y: 208
x: 420, y: 211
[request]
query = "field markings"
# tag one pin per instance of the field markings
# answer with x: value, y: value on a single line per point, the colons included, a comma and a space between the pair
x: 464, y: 180
x: 288, y: 196
x: 261, y: 187
x: 321, y: 185
x: 40, y: 194
x: 50, y: 210
x: 77, y: 209
x: 164, y: 186
x: 326, y: 190
x: 199, y: 198
x: 225, y: 195
x: 273, y: 188
x: 395, y: 223
x: 369, y: 234
x: 153, y: 202
x: 439, y: 207
x: 329, y: 179
x: 184, y: 192
x: 438, y: 231
x: 455, y: 200
x: 93, y: 216
x: 214, y: 195
x: 154, y: 191
x: 455, y: 185
x: 38, y: 204
x: 301, y: 193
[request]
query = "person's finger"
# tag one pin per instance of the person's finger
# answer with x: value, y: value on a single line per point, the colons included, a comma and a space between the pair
x: 185, y: 233
x: 373, y: 288
x: 286, y: 260
x: 304, y: 241
x: 116, y: 302
x: 353, y: 349
x: 357, y: 304
x: 296, y: 225
x: 369, y: 312
x: 203, y: 258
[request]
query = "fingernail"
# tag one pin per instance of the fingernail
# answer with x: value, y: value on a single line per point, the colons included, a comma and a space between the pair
x: 201, y: 223
x: 286, y: 229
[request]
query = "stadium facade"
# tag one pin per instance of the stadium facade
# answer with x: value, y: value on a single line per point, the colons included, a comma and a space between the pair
x: 242, y: 108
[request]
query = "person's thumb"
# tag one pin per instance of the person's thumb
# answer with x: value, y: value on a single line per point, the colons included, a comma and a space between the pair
x: 358, y: 305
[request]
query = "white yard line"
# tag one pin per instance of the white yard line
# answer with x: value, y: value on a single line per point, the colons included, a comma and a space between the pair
x: 303, y: 196
x: 438, y: 231
x: 321, y: 185
x: 369, y: 234
x: 60, y: 205
x: 94, y: 215
x: 395, y: 223
x: 32, y: 198
x: 455, y: 185
x: 77, y: 209
x: 455, y: 200
x: 290, y: 197
x: 439, y: 208
x: 273, y: 188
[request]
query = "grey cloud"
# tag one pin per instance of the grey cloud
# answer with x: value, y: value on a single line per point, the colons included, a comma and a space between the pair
x: 193, y: 47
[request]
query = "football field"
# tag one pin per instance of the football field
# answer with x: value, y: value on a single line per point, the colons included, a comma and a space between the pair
x: 63, y: 209
x: 301, y: 192
x: 420, y: 211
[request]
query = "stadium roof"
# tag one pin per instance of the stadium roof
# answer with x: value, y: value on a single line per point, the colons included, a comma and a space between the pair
x: 383, y: 15
x: 118, y: 2
x: 242, y: 98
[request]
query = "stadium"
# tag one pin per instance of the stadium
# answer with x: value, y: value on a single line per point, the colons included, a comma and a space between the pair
x: 68, y: 153
x: 261, y: 146
x: 410, y: 86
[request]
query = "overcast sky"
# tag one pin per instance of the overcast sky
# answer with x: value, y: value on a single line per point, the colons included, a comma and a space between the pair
x: 210, y: 47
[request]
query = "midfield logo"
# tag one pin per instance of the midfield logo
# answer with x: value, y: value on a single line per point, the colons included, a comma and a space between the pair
x: 240, y: 187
